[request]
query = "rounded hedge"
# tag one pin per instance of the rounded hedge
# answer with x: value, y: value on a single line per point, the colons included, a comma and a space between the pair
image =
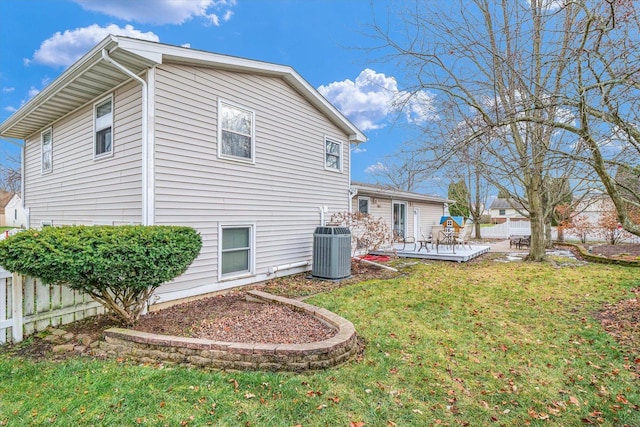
x: 104, y: 261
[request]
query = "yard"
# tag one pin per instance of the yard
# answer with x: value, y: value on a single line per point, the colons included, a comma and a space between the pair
x: 482, y: 343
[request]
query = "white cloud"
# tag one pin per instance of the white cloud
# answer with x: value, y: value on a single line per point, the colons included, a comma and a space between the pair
x: 375, y: 168
x: 63, y: 49
x: 373, y: 96
x: 359, y: 150
x: 213, y: 18
x: 186, y: 45
x: 8, y: 89
x: 10, y: 109
x: 33, y: 92
x: 161, y: 11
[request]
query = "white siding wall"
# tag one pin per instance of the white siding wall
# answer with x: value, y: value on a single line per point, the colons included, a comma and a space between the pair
x: 80, y: 190
x: 281, y: 193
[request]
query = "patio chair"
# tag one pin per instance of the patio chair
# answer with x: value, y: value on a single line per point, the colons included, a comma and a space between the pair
x: 464, y: 237
x: 425, y: 240
x: 398, y: 237
x: 445, y: 238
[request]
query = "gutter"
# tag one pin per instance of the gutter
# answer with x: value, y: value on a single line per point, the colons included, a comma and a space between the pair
x: 147, y: 190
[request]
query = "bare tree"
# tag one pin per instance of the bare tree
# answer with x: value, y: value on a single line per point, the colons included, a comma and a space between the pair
x: 464, y: 167
x: 405, y: 170
x: 10, y: 175
x: 536, y: 83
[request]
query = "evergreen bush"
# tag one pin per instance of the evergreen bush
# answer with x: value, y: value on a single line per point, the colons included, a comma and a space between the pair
x: 118, y: 266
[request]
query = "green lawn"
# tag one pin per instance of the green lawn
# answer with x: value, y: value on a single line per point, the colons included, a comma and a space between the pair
x: 474, y: 344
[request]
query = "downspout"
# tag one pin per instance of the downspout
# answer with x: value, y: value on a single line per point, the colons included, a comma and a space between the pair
x: 147, y: 218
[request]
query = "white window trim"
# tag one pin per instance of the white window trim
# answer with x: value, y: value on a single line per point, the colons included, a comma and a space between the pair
x: 223, y: 156
x: 95, y: 105
x: 368, y: 199
x: 42, y: 170
x: 252, y: 251
x: 324, y: 154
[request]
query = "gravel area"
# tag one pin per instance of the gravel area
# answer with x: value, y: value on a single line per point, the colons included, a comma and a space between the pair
x: 231, y: 318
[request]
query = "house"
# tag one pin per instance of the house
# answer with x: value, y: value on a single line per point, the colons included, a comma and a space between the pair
x: 14, y: 214
x: 137, y: 132
x: 453, y: 222
x: 503, y: 209
x: 5, y: 198
x: 407, y: 214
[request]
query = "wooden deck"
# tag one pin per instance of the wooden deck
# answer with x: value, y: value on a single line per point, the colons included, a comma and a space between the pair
x: 444, y: 253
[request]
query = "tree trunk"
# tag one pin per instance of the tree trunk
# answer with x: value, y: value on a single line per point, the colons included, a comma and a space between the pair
x: 478, y: 228
x: 537, y: 251
x: 560, y: 233
x: 548, y: 240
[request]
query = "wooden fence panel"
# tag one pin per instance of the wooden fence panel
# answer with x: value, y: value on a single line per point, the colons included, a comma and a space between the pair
x: 38, y: 306
x: 5, y: 307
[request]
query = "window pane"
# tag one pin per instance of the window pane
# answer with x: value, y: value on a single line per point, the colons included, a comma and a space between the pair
x: 46, y: 161
x: 234, y: 262
x: 363, y: 206
x: 333, y: 148
x: 46, y: 138
x: 234, y: 144
x: 236, y: 120
x: 233, y: 238
x: 46, y: 151
x: 333, y: 162
x: 103, y: 141
x: 103, y: 109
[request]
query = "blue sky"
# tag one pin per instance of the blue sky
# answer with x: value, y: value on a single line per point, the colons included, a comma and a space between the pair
x: 327, y: 41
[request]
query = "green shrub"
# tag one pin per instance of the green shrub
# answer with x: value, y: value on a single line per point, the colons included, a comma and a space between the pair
x: 118, y: 266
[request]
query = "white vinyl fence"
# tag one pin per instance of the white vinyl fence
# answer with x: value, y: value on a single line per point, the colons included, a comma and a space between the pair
x: 28, y: 306
x: 506, y: 229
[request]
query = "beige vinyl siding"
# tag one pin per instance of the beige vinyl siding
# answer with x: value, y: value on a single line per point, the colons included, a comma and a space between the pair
x: 80, y: 190
x: 280, y: 194
x: 430, y: 213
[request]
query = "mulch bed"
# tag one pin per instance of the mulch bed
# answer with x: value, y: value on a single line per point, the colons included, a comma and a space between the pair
x: 625, y: 251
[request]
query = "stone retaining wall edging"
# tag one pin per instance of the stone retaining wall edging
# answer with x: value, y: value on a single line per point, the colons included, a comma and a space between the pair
x: 152, y: 348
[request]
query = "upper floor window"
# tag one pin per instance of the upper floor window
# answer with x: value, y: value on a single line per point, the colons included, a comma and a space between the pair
x: 363, y: 205
x: 103, y: 127
x: 47, y: 151
x: 333, y: 155
x: 236, y: 132
x: 502, y: 212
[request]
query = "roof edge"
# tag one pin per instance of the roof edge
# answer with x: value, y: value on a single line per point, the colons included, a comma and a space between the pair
x: 392, y: 193
x: 85, y: 62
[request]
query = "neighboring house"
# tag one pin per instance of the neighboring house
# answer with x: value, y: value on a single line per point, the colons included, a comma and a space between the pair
x: 14, y: 214
x: 593, y: 206
x: 5, y: 198
x: 503, y: 209
x: 407, y: 214
x: 137, y: 132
